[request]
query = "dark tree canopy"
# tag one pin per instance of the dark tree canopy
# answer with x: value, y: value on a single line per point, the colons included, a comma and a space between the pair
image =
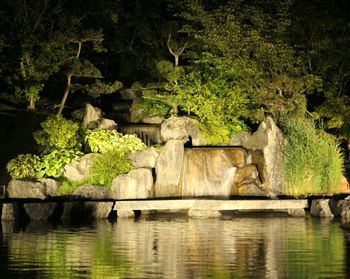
x: 235, y: 61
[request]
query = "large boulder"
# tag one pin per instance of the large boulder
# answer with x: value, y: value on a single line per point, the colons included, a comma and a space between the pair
x: 344, y: 208
x: 181, y: 128
x: 247, y: 182
x: 80, y: 170
x: 92, y: 117
x: 266, y: 152
x: 144, y: 159
x: 32, y: 189
x: 137, y: 184
x: 169, y: 169
x: 321, y: 208
x: 92, y: 192
x: 97, y: 210
x: 211, y: 171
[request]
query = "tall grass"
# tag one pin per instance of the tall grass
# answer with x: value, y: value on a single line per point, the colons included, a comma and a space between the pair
x: 313, y: 162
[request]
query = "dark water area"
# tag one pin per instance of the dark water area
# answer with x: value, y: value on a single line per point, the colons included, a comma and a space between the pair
x: 164, y: 246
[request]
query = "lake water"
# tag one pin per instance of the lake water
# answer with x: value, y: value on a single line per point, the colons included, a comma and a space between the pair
x: 171, y: 246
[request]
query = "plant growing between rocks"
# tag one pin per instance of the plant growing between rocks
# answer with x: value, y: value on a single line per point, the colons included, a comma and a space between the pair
x: 114, y: 149
x: 313, y: 161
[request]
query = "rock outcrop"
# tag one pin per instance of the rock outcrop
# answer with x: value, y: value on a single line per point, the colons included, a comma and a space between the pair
x: 169, y: 169
x: 321, y: 208
x: 32, y: 189
x: 80, y: 169
x: 137, y: 184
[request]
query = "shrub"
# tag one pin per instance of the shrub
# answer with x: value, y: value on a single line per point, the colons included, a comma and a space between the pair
x: 103, y: 141
x: 151, y: 107
x: 53, y: 163
x: 24, y: 166
x: 108, y: 166
x: 313, y: 162
x: 58, y: 132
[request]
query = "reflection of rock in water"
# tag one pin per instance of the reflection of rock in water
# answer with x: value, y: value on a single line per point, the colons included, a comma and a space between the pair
x: 347, y: 254
x: 241, y: 247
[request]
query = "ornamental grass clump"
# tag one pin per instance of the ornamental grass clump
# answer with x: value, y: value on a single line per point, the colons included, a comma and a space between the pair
x: 313, y: 162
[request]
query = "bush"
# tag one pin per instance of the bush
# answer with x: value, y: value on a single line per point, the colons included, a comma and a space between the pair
x: 24, y: 166
x: 58, y: 132
x: 313, y: 162
x: 151, y: 107
x: 53, y: 163
x: 103, y: 141
x: 114, y: 149
x: 108, y: 166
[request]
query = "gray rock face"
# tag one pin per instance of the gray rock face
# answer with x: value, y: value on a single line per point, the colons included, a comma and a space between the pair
x: 40, y: 211
x: 137, y: 184
x: 344, y: 208
x: 10, y: 212
x: 107, y: 124
x: 34, y: 189
x: 92, y: 192
x: 180, y: 128
x: 169, y: 168
x: 92, y: 117
x: 247, y: 182
x: 210, y: 172
x: 320, y: 208
x: 126, y: 214
x: 266, y: 146
x: 296, y: 212
x: 144, y: 159
x: 80, y: 169
x: 98, y: 210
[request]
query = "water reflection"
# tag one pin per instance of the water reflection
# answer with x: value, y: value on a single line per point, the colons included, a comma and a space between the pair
x: 167, y: 247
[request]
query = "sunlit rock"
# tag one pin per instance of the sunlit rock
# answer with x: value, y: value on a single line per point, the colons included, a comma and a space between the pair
x: 247, y: 182
x: 144, y: 159
x: 266, y: 151
x: 35, y: 189
x: 211, y: 171
x: 92, y: 117
x: 107, y: 124
x: 320, y: 208
x: 80, y: 170
x: 169, y: 169
x: 137, y: 184
x: 181, y: 128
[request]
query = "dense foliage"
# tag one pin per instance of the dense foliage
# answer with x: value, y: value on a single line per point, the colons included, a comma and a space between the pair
x: 313, y: 163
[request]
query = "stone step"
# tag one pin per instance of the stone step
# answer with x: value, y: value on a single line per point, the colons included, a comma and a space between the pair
x: 218, y: 205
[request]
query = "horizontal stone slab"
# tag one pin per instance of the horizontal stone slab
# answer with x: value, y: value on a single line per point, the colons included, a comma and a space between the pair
x: 211, y: 204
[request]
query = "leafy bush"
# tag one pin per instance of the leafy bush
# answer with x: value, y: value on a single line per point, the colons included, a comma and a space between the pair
x: 53, y: 163
x: 108, y: 166
x: 24, y: 166
x: 151, y: 107
x: 58, y: 132
x: 313, y: 162
x: 103, y: 141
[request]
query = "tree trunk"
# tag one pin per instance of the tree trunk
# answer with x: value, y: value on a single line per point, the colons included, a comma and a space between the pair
x: 65, y: 95
x: 177, y: 60
x: 31, y: 104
